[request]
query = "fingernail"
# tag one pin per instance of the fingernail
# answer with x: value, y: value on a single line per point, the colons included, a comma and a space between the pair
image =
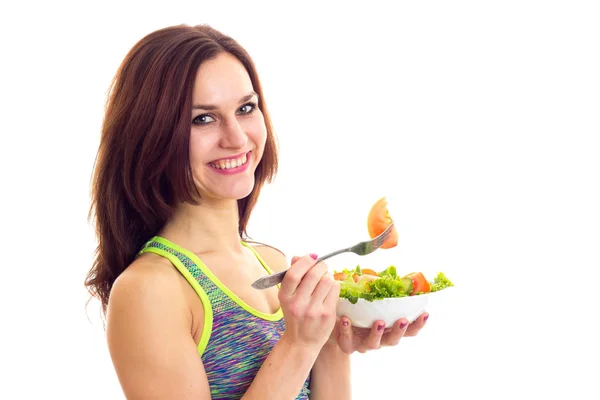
x: 345, y: 322
x: 380, y: 327
x: 314, y: 256
x: 425, y: 318
x: 403, y: 324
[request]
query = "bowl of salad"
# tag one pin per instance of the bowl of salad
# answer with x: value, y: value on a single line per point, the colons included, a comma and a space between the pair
x: 367, y: 296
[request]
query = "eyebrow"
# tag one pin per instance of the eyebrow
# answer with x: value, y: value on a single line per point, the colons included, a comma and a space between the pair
x: 212, y: 107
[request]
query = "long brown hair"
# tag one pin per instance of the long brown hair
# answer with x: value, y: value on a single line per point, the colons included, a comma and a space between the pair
x: 142, y: 168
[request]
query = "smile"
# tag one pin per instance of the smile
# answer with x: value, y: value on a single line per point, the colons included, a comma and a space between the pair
x: 230, y: 163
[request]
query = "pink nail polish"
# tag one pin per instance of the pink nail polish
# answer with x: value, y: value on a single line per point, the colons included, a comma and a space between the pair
x: 314, y: 256
x: 380, y: 327
x: 403, y: 324
x: 345, y: 322
x: 425, y: 318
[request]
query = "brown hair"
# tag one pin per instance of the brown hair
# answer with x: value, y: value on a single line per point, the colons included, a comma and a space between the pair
x: 142, y: 168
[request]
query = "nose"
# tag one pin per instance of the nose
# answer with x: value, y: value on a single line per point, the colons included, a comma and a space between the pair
x: 233, y: 135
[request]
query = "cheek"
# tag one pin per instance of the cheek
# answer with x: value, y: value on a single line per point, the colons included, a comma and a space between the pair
x: 199, y: 143
x: 198, y: 156
x: 257, y: 131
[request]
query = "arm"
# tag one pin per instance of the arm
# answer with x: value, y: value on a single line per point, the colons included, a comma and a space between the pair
x: 283, y: 372
x: 331, y: 377
x: 149, y: 335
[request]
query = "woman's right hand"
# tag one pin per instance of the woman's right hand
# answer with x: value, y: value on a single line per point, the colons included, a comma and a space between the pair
x: 308, y: 298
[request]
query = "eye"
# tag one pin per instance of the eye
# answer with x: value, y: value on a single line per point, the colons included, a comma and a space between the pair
x: 247, y: 108
x: 203, y: 119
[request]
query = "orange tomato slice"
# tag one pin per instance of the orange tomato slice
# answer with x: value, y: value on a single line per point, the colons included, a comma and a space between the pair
x: 419, y: 283
x: 368, y: 271
x: 339, y: 276
x: 378, y: 221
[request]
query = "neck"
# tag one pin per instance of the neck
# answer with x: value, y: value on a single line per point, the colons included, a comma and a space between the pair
x: 211, y: 226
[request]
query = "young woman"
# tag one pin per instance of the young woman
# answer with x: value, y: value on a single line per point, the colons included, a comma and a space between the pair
x: 186, y: 146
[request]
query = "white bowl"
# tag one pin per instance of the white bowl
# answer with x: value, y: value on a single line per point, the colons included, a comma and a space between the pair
x: 364, y: 313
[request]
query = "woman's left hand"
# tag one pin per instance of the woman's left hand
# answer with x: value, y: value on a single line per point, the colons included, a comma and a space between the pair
x: 351, y: 339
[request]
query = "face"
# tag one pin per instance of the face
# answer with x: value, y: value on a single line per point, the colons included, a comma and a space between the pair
x: 228, y: 130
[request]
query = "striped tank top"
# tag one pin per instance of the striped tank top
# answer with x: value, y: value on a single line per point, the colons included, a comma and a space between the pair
x: 236, y: 338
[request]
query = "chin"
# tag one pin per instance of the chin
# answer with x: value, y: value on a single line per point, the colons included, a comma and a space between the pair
x: 239, y: 191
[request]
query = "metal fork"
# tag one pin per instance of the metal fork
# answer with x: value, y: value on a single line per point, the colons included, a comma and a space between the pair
x: 362, y: 249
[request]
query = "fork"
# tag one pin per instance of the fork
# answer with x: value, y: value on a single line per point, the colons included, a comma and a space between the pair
x: 362, y: 249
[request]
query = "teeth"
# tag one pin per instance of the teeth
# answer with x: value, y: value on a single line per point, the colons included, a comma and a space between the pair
x: 228, y: 164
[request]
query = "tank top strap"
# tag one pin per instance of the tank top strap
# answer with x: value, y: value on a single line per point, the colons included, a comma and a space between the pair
x: 201, y: 284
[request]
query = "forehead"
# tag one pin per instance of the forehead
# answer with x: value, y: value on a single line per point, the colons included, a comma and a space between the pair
x: 221, y: 81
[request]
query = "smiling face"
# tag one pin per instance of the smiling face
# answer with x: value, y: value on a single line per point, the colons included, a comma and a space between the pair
x: 228, y: 130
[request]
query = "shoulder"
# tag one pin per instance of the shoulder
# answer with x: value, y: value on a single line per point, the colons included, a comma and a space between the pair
x: 145, y: 299
x: 272, y: 256
x: 148, y: 333
x: 150, y: 285
x: 148, y: 273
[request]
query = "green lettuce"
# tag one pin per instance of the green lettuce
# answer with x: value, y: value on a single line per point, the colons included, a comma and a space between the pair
x: 440, y: 282
x: 388, y: 285
x: 355, y: 290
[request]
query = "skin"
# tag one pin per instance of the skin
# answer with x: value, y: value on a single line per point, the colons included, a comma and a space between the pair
x: 155, y: 319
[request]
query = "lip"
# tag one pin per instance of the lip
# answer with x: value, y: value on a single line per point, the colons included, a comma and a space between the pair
x: 232, y: 171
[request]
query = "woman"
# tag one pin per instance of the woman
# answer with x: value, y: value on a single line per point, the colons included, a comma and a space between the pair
x: 186, y: 146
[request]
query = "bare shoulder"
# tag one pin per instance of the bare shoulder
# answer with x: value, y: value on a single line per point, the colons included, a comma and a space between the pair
x: 148, y: 333
x: 148, y: 292
x: 149, y: 279
x: 275, y: 258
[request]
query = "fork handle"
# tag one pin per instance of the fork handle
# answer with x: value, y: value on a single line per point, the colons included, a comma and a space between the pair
x: 269, y: 280
x: 274, y: 279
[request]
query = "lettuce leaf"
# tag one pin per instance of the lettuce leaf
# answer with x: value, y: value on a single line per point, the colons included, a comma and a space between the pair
x: 440, y: 282
x: 389, y: 272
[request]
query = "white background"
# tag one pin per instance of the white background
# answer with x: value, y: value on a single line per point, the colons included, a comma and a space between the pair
x: 479, y: 121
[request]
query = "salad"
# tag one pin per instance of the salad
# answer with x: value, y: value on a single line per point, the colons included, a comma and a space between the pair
x: 369, y: 285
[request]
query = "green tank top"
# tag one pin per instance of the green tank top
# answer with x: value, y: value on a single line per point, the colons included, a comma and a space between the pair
x: 236, y: 338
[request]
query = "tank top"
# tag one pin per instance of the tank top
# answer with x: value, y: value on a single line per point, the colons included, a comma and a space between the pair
x: 236, y: 338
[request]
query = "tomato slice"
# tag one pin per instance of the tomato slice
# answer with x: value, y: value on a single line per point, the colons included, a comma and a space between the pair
x: 378, y: 221
x: 339, y: 276
x: 368, y: 271
x: 419, y: 283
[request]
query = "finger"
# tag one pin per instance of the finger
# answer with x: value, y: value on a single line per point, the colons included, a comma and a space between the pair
x: 333, y: 296
x: 418, y: 324
x: 345, y: 338
x: 322, y: 290
x: 310, y: 280
x: 393, y: 337
x: 373, y: 342
x: 294, y: 275
x: 296, y: 258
